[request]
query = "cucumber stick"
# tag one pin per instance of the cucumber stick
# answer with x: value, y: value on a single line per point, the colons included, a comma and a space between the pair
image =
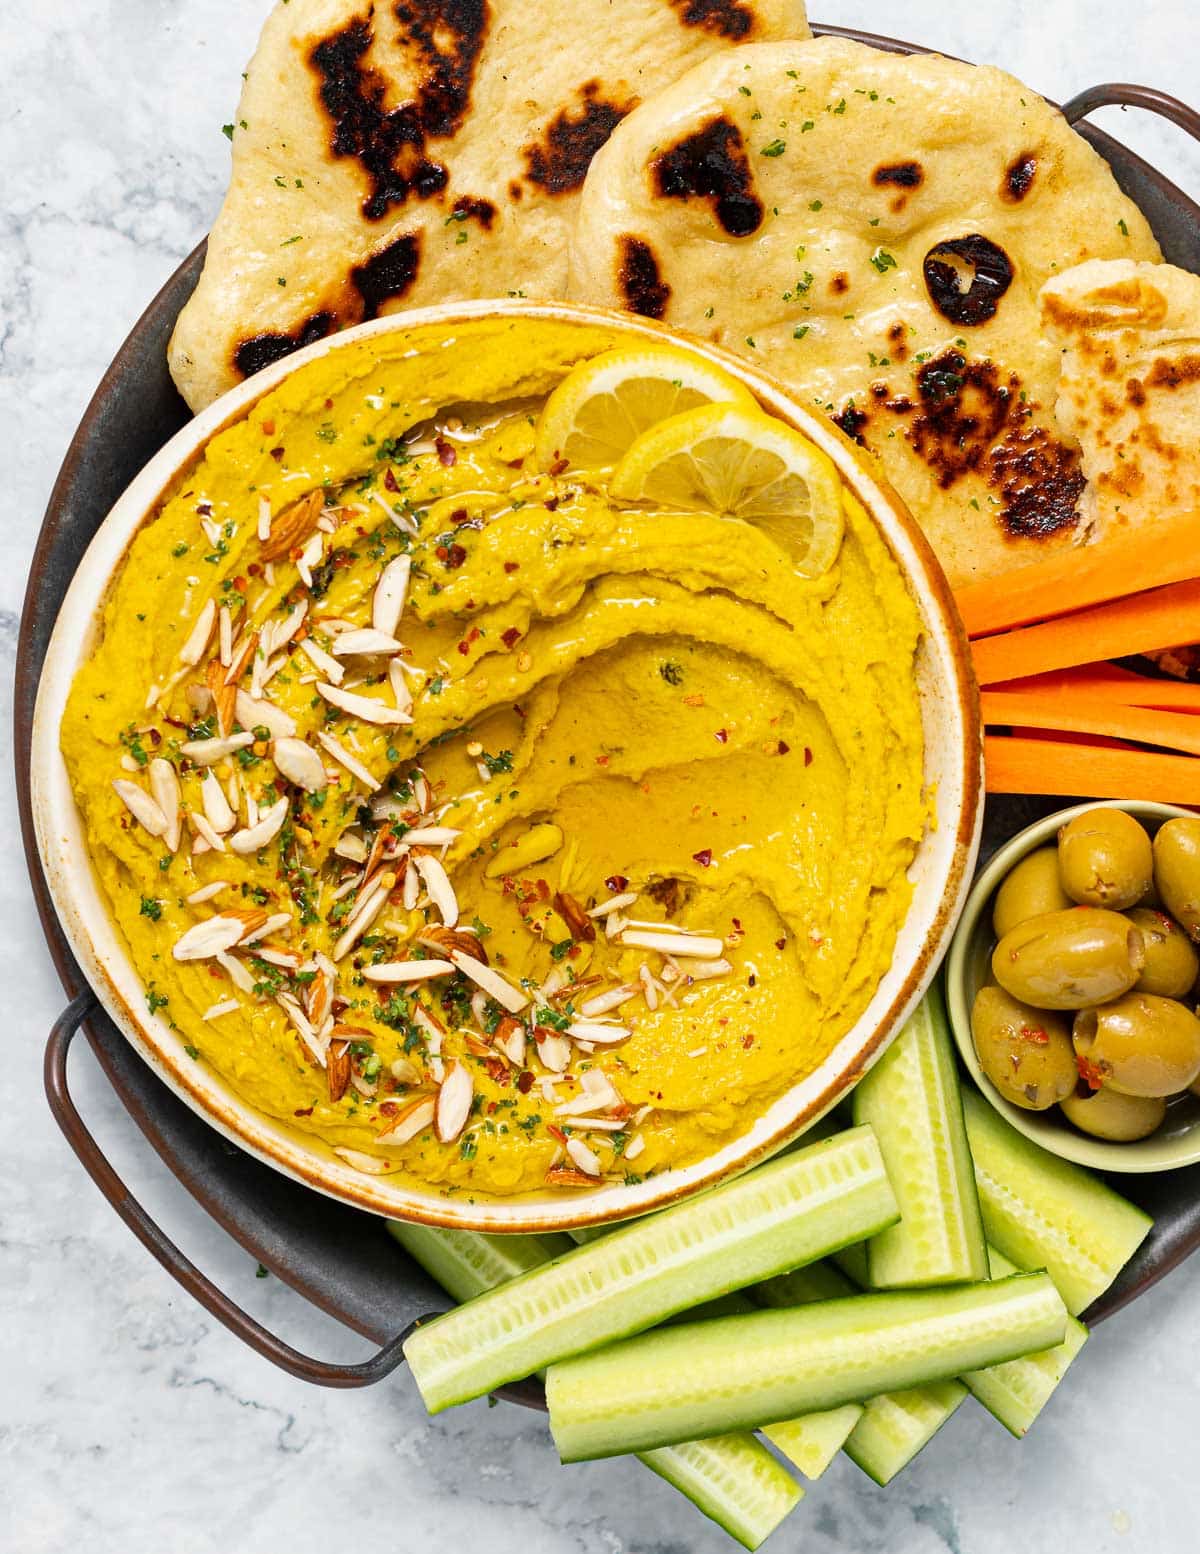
x: 1043, y: 1212
x: 911, y: 1099
x: 892, y: 1427
x: 704, y: 1378
x: 1016, y: 1392
x: 895, y: 1426
x: 732, y: 1479
x: 786, y: 1213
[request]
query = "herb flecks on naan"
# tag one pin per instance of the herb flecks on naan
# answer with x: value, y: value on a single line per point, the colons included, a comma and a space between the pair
x: 874, y: 230
x: 388, y: 156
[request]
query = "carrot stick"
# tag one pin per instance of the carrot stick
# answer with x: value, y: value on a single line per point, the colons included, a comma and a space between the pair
x: 1176, y: 730
x: 1108, y: 684
x: 1162, y: 618
x: 1124, y: 562
x: 1015, y: 765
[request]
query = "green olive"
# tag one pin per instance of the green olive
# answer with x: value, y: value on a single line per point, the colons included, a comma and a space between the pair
x: 1107, y: 1114
x: 1104, y: 859
x: 1068, y: 960
x: 1025, y: 1052
x: 1177, y: 871
x: 1140, y: 1044
x: 1030, y: 888
x: 1172, y: 964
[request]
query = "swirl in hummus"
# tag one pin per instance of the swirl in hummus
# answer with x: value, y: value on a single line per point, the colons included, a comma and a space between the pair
x: 490, y: 831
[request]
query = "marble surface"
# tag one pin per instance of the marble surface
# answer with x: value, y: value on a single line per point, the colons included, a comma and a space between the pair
x: 128, y: 1420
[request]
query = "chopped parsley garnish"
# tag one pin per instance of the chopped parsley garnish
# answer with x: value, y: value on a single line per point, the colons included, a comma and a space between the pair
x: 151, y: 908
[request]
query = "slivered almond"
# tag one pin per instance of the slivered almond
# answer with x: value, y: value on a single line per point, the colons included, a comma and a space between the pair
x: 399, y: 971
x: 303, y: 1027
x: 600, y: 1035
x: 243, y: 652
x: 337, y: 1069
x: 634, y: 1148
x: 683, y: 945
x: 606, y: 1002
x: 437, y: 883
x: 454, y: 1101
x: 207, y: 752
x: 509, y: 1036
x: 566, y: 1176
x: 141, y: 806
x: 369, y: 1165
x: 320, y: 999
x: 300, y: 764
x: 206, y: 892
x: 226, y: 1006
x: 370, y: 904
x: 432, y: 836
x: 216, y: 806
x: 573, y: 914
x: 352, y: 764
x: 613, y: 904
x: 506, y: 995
x: 292, y: 526
x: 553, y: 1049
x: 238, y: 974
x: 364, y: 641
x: 403, y: 1071
x: 224, y: 696
x: 255, y: 711
x: 278, y: 634
x: 225, y: 635
x: 413, y: 1119
x: 366, y: 708
x: 401, y: 693
x: 211, y: 937
x: 206, y: 838
x: 251, y: 838
x: 310, y: 556
x: 200, y: 636
x: 259, y: 924
x: 446, y: 939
x: 585, y: 1159
x: 164, y: 785
x: 391, y: 591
x: 322, y: 661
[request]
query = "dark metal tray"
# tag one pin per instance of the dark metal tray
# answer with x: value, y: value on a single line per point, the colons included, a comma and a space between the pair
x: 340, y: 1258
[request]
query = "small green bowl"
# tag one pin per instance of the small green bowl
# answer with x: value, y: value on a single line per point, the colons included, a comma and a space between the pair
x: 1177, y: 1141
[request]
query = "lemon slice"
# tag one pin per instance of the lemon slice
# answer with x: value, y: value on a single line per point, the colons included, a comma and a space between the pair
x: 733, y: 459
x: 598, y: 410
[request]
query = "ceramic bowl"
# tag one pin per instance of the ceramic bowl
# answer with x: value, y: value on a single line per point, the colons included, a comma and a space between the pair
x: 1177, y: 1141
x: 940, y: 872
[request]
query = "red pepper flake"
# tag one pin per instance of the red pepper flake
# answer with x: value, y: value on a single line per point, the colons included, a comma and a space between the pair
x: 601, y: 760
x: 329, y: 404
x: 204, y: 509
x: 464, y: 648
x: 559, y: 465
x: 781, y: 944
x: 1092, y: 1076
x: 807, y: 756
x: 254, y: 569
x: 525, y: 1081
x: 240, y: 584
x: 447, y: 453
x: 268, y: 428
x: 512, y: 566
x: 388, y: 1108
x: 722, y: 736
x: 511, y: 637
x: 556, y: 1133
x: 551, y: 503
x: 454, y: 557
x: 303, y: 1111
x: 748, y: 1040
x: 616, y: 883
x: 1036, y: 1035
x: 277, y: 454
x: 390, y: 483
x: 703, y: 857
x: 783, y: 747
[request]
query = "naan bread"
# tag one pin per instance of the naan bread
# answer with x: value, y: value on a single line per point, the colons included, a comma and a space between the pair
x: 822, y: 207
x: 393, y: 155
x: 1129, y: 385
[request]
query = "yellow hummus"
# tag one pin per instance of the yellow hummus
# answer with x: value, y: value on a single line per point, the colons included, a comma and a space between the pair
x: 606, y: 705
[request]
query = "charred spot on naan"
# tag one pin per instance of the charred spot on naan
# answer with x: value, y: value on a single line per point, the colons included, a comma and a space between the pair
x: 387, y: 275
x: 640, y: 278
x: 732, y: 19
x: 985, y: 267
x: 711, y: 164
x: 968, y: 419
x: 1018, y: 178
x: 559, y: 161
x: 470, y: 207
x: 1173, y: 372
x: 1131, y: 301
x: 263, y: 350
x: 390, y: 144
x: 903, y: 177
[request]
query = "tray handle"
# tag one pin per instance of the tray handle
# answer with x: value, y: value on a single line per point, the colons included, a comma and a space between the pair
x: 1125, y: 94
x: 322, y: 1373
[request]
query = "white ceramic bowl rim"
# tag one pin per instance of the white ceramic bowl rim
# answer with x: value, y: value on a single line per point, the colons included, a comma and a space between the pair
x: 940, y: 875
